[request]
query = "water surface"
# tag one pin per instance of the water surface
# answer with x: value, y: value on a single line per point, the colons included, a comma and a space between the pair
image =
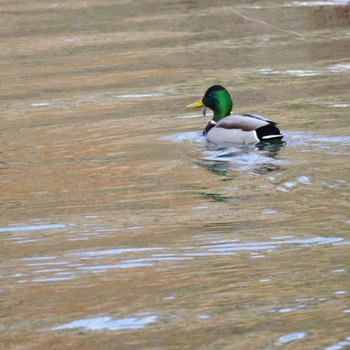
x: 122, y: 227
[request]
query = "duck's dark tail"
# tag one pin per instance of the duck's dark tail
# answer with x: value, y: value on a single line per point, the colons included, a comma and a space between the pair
x: 268, y: 132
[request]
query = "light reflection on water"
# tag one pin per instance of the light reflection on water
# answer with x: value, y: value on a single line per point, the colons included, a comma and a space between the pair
x: 287, y: 338
x: 31, y: 228
x: 300, y: 4
x: 337, y: 68
x: 109, y: 324
x: 343, y: 344
x: 75, y: 264
x: 262, y: 158
x: 319, y: 3
x: 297, y: 139
x: 137, y: 96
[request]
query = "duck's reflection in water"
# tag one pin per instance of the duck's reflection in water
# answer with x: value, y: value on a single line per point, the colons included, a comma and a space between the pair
x: 261, y: 158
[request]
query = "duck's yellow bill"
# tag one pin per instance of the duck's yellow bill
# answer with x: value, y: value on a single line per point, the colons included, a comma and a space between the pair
x: 196, y: 104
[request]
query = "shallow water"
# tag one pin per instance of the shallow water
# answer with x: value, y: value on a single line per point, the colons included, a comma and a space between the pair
x: 122, y: 227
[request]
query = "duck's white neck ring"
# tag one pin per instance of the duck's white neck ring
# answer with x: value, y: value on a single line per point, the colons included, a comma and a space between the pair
x: 212, y: 122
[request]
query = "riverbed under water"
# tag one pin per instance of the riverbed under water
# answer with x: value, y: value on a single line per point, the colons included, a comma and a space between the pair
x: 122, y: 228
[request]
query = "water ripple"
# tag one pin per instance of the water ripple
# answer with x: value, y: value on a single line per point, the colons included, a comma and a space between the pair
x: 340, y: 345
x: 262, y: 158
x: 76, y: 264
x: 136, y: 96
x: 337, y: 68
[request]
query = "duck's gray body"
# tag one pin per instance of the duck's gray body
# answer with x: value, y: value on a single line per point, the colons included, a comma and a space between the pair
x: 244, y: 129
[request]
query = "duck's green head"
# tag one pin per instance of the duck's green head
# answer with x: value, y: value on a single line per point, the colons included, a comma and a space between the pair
x: 218, y: 100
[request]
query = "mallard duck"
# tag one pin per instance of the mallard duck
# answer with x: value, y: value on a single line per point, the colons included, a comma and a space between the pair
x: 227, y: 127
